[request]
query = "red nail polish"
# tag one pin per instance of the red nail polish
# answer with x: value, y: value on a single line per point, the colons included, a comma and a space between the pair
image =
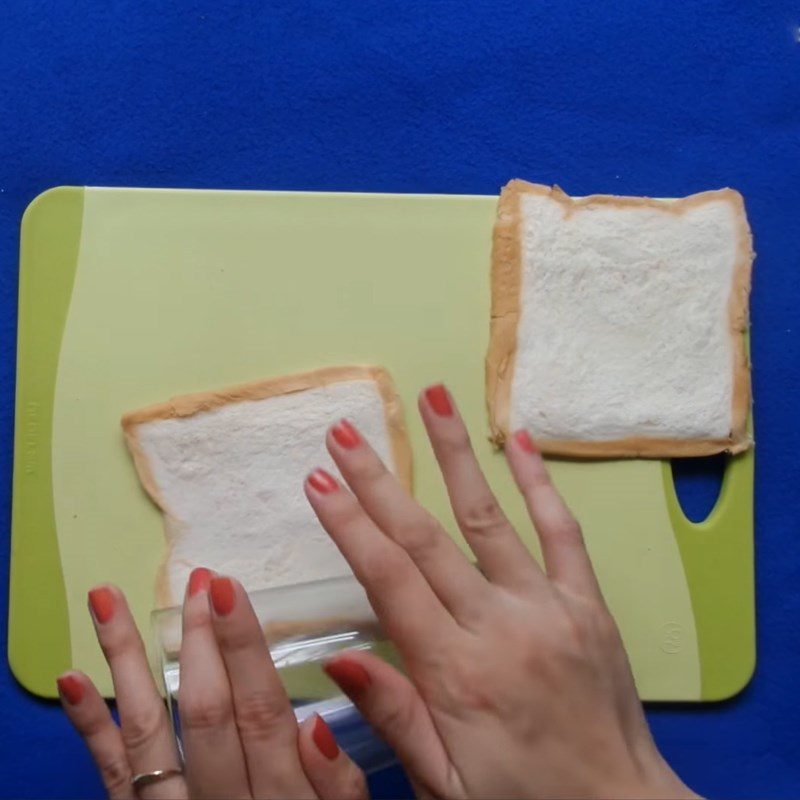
x: 70, y: 688
x: 351, y: 677
x: 439, y: 400
x: 346, y: 435
x: 523, y: 439
x: 322, y: 481
x: 102, y: 602
x: 223, y: 595
x: 199, y: 580
x: 323, y: 738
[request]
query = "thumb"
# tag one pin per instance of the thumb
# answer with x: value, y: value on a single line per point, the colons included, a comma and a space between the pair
x: 391, y: 704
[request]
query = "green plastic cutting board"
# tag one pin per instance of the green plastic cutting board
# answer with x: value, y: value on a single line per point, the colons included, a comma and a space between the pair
x: 128, y: 297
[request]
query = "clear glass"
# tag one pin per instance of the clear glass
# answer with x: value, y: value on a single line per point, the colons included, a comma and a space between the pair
x: 304, y: 625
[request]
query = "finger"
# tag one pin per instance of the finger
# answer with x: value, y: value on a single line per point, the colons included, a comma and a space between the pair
x: 265, y: 720
x: 90, y: 717
x: 329, y: 769
x: 213, y: 755
x: 563, y: 549
x: 405, y: 604
x: 460, y: 587
x: 391, y: 704
x: 502, y: 556
x: 146, y: 731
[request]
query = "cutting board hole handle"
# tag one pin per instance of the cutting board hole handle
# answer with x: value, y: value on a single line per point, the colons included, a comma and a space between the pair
x: 698, y: 482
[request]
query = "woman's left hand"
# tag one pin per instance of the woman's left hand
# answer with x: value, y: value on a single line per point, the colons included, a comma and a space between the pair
x: 240, y: 736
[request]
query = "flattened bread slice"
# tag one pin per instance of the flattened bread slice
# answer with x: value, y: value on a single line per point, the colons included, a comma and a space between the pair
x: 618, y: 323
x: 227, y: 468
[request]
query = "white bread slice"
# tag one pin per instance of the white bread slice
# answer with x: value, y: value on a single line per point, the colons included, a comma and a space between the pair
x: 618, y: 323
x: 226, y: 468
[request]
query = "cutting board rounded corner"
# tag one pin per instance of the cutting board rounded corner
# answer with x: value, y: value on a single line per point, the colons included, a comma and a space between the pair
x: 31, y: 681
x: 42, y: 201
x: 732, y: 685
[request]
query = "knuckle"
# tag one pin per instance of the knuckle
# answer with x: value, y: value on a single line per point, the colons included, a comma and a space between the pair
x: 378, y: 472
x: 91, y: 727
x: 396, y: 718
x: 606, y: 626
x: 118, y: 643
x: 204, y: 713
x: 235, y: 638
x: 114, y: 772
x: 196, y: 618
x: 579, y: 631
x: 569, y: 530
x: 141, y: 728
x: 370, y: 469
x: 417, y: 537
x: 538, y: 478
x: 482, y: 517
x: 261, y: 714
x: 562, y: 530
x: 584, y: 625
x: 455, y: 444
x: 346, y: 513
x: 469, y: 688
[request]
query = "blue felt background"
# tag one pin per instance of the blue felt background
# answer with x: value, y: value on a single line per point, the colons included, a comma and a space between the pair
x: 660, y: 97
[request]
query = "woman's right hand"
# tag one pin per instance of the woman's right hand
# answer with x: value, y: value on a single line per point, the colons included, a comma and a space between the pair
x: 517, y: 683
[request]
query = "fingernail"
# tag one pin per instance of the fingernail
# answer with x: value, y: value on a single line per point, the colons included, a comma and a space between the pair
x: 323, y: 738
x: 524, y: 440
x: 199, y: 580
x: 70, y: 688
x: 439, y: 400
x: 346, y: 435
x: 351, y: 677
x: 223, y: 595
x: 102, y: 602
x: 322, y: 481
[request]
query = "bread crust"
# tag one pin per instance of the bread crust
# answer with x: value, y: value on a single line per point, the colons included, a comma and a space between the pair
x: 190, y: 404
x: 506, y: 288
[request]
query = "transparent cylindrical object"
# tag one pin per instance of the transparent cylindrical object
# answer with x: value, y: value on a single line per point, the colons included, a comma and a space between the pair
x: 304, y: 625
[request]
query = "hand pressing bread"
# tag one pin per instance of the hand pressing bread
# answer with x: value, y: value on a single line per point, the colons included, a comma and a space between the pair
x: 517, y: 683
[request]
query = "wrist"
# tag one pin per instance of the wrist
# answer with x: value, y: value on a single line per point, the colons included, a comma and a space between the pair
x: 661, y: 782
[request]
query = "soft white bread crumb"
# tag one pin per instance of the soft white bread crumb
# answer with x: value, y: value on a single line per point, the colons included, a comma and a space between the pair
x: 229, y: 477
x: 628, y: 325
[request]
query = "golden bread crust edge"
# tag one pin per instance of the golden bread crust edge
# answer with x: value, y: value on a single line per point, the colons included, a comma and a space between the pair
x: 506, y: 287
x: 191, y: 404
